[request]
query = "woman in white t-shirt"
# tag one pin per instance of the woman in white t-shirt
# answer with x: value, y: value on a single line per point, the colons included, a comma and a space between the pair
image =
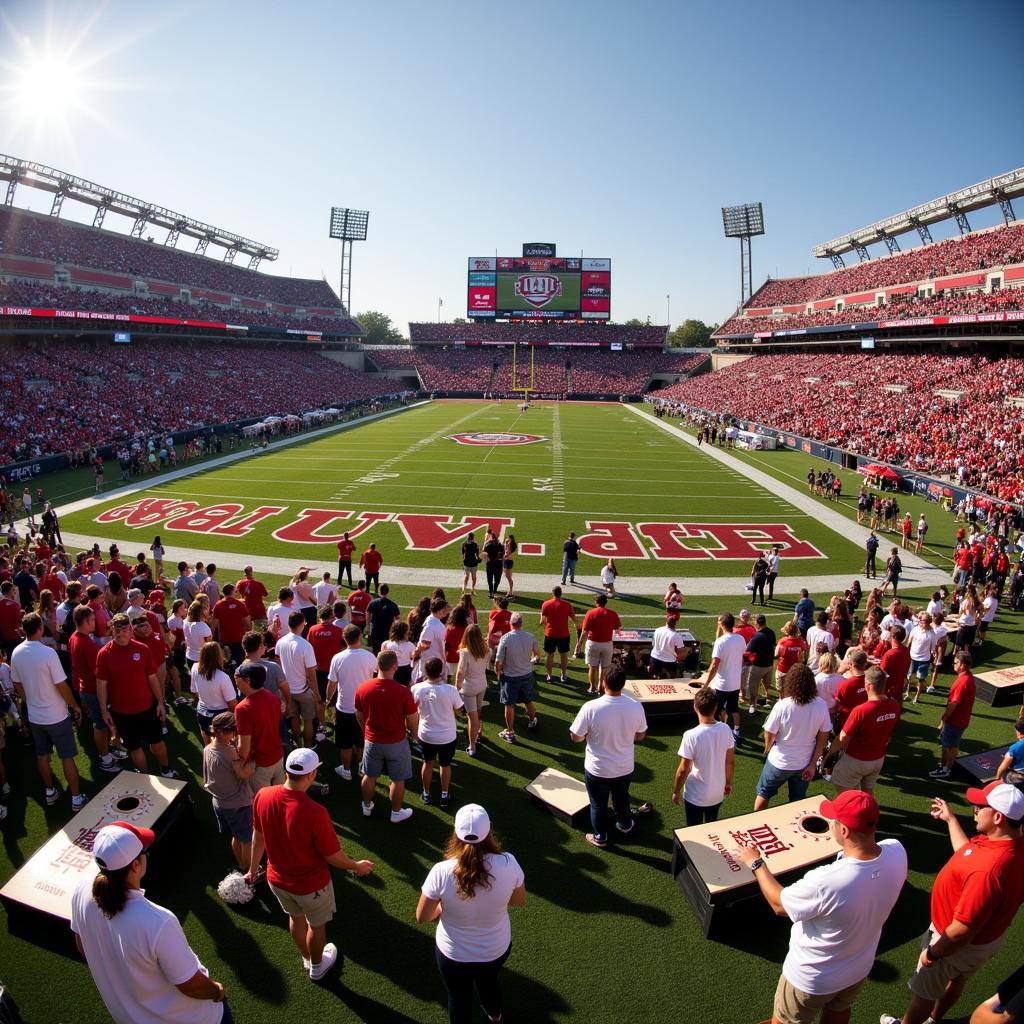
x: 197, y: 632
x: 438, y: 703
x: 608, y: 576
x: 399, y: 643
x: 795, y: 732
x: 941, y: 632
x: 471, y: 680
x: 213, y: 686
x: 828, y: 678
x: 989, y: 607
x: 469, y: 894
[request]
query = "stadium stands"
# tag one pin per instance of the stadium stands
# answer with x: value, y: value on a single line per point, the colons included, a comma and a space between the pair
x: 452, y: 333
x: 74, y: 395
x: 883, y: 406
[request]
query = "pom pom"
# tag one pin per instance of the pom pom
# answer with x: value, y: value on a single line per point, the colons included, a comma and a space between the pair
x: 235, y: 889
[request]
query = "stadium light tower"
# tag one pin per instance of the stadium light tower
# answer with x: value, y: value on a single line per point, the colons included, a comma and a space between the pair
x: 348, y: 226
x: 743, y: 222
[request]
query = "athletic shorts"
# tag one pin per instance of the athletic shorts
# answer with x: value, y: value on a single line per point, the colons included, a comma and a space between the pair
x: 598, y: 654
x: 60, y: 735
x: 91, y: 703
x: 553, y: 644
x: 135, y: 730
x: 347, y: 733
x: 930, y: 982
x: 391, y: 759
x: 728, y: 701
x: 507, y: 564
x: 658, y: 666
x: 235, y: 822
x: 316, y: 907
x: 444, y: 753
x: 302, y: 705
x: 792, y: 1006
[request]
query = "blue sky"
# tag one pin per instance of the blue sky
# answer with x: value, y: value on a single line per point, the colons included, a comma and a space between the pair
x: 616, y: 129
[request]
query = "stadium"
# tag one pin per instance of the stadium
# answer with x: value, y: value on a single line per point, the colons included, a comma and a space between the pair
x: 163, y: 398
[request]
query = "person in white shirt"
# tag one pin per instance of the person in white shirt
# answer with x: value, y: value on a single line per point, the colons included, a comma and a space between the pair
x: 324, y: 592
x: 431, y: 643
x: 936, y: 605
x: 438, y: 703
x: 795, y: 732
x: 667, y: 649
x: 298, y: 663
x: 349, y: 669
x: 609, y: 573
x: 139, y: 957
x: 403, y: 648
x: 921, y: 641
x: 609, y: 726
x: 772, y: 558
x: 213, y: 686
x: 471, y: 680
x: 707, y: 757
x: 468, y: 894
x: 816, y: 635
x: 342, y: 618
x: 725, y: 672
x: 277, y: 614
x: 828, y: 678
x: 989, y: 607
x: 51, y: 710
x: 197, y: 632
x: 837, y: 911
x: 941, y: 632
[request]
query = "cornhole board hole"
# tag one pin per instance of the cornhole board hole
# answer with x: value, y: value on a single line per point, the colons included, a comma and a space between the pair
x: 40, y: 893
x: 1001, y: 687
x: 790, y: 837
x: 633, y: 648
x: 980, y: 769
x: 663, y: 697
x: 561, y: 795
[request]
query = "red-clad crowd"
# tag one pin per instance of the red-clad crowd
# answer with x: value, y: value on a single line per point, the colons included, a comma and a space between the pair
x: 552, y: 333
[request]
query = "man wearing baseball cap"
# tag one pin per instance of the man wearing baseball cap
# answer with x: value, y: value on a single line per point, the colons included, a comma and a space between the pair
x: 139, y: 957
x: 301, y: 847
x: 837, y: 911
x: 974, y: 900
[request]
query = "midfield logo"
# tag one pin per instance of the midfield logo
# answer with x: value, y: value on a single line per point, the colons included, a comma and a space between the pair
x: 494, y: 439
x: 538, y: 289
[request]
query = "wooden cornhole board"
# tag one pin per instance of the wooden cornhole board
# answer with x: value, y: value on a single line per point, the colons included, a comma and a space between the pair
x: 663, y: 697
x: 1001, y: 687
x: 561, y: 795
x: 42, y: 889
x: 980, y: 769
x: 633, y: 648
x: 791, y: 838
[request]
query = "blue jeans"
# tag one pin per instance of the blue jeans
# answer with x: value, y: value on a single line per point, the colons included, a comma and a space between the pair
x: 599, y: 790
x: 569, y: 568
x: 772, y: 778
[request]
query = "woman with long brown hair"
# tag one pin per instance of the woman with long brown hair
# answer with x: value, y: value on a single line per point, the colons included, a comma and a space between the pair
x: 213, y: 687
x: 468, y: 894
x: 471, y: 680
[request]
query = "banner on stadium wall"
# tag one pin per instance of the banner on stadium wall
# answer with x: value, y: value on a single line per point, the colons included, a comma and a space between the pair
x: 1005, y: 316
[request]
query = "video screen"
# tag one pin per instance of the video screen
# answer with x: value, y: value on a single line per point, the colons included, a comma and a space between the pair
x: 539, y: 288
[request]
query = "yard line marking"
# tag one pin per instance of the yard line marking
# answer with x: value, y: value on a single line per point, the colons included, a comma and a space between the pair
x: 558, y: 483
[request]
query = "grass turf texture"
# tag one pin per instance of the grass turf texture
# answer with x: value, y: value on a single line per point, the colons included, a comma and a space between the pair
x: 596, y: 463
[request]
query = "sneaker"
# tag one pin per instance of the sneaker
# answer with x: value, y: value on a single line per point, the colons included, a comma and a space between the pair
x: 182, y: 700
x: 163, y: 729
x: 942, y: 772
x: 119, y: 753
x: 445, y: 801
x: 327, y: 961
x: 915, y: 700
x: 736, y: 732
x: 320, y: 736
x: 168, y: 773
x: 344, y: 772
x: 306, y: 965
x: 888, y: 1018
x: 5, y: 790
x: 52, y: 796
x: 547, y: 679
x: 403, y: 814
x: 563, y: 679
x: 471, y: 751
x: 931, y: 689
x: 626, y: 831
x: 532, y: 723
x: 751, y: 709
x: 367, y: 809
x: 78, y: 802
x: 507, y: 736
x: 594, y: 841
x: 110, y: 766
x: 425, y: 797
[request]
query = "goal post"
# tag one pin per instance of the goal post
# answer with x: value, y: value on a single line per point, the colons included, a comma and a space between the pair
x: 519, y: 382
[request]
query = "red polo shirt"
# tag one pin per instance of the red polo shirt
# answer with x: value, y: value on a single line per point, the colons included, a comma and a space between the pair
x: 371, y: 561
x: 557, y: 613
x: 253, y: 592
x: 869, y: 727
x: 345, y: 549
x: 962, y: 693
x: 229, y: 613
x: 327, y: 641
x: 83, y: 650
x: 599, y: 624
x: 126, y: 670
x: 384, y: 704
x: 299, y: 836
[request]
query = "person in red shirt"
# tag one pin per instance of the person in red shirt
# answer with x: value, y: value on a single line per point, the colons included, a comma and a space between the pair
x: 258, y: 716
x: 53, y: 583
x: 116, y: 565
x: 852, y: 690
x: 370, y: 562
x: 327, y: 641
x: 499, y: 622
x: 253, y: 593
x: 458, y: 623
x: 598, y: 625
x: 346, y: 549
x: 964, y: 560
x: 358, y: 601
x: 10, y: 618
x: 142, y: 630
x: 865, y: 736
x: 974, y: 900
x: 231, y: 622
x: 131, y: 698
x: 895, y: 663
x: 82, y: 652
x: 385, y: 709
x: 301, y: 846
x: 555, y: 614
x: 957, y: 715
x: 790, y: 649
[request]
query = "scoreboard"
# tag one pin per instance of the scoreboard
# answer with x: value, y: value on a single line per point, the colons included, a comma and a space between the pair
x: 539, y: 288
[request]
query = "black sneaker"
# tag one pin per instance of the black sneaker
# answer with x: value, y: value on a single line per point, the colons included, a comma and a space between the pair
x: 425, y: 797
x: 445, y: 801
x: 532, y: 723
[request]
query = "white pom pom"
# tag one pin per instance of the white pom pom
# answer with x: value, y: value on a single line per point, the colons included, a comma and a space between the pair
x: 235, y: 889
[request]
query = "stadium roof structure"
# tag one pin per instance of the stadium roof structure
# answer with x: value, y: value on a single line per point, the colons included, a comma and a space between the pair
x: 1000, y: 190
x: 66, y: 186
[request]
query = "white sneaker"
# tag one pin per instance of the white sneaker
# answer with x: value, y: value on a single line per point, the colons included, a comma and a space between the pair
x: 888, y: 1018
x: 3, y: 812
x: 931, y: 689
x: 751, y: 709
x: 320, y: 736
x: 51, y: 796
x: 367, y: 810
x: 5, y: 790
x: 736, y: 733
x: 119, y: 753
x: 402, y: 814
x: 343, y: 772
x: 78, y: 802
x: 306, y: 965
x: 329, y: 959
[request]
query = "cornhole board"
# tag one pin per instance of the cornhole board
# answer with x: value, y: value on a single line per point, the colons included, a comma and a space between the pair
x: 633, y: 648
x: 790, y: 837
x: 663, y: 697
x: 561, y: 795
x: 1001, y: 687
x: 980, y: 768
x: 41, y: 891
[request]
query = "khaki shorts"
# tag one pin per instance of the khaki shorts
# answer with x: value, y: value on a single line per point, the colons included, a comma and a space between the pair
x: 270, y: 775
x: 795, y: 1007
x: 599, y: 654
x: 930, y: 982
x: 753, y: 677
x: 302, y: 705
x: 473, y: 701
x: 852, y: 773
x: 316, y: 907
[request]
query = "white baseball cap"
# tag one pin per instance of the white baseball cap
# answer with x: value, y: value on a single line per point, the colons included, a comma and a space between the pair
x: 302, y: 761
x: 1000, y: 796
x: 472, y: 825
x: 116, y: 845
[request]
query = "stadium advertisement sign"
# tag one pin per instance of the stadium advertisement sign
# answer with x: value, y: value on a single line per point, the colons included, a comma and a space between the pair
x: 436, y: 531
x: 539, y: 287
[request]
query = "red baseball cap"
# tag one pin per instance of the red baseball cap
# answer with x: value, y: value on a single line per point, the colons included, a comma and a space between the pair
x: 1000, y: 796
x: 857, y: 810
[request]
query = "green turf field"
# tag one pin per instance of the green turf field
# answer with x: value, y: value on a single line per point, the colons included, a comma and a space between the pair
x: 594, y: 464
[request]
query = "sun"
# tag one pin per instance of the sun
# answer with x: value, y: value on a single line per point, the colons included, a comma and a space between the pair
x: 47, y: 84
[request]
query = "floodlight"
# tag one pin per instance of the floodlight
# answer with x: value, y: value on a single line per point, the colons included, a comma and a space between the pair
x: 743, y: 221
x: 349, y: 225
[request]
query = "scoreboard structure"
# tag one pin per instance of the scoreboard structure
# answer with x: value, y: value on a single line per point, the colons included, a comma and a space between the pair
x: 539, y: 286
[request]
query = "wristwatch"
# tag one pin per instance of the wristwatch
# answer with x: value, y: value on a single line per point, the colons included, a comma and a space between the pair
x: 757, y: 863
x: 930, y: 954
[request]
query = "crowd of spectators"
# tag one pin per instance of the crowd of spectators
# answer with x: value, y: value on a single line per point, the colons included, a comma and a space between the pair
x: 67, y: 242
x: 977, y: 251
x: 551, y: 332
x: 70, y: 298
x: 848, y: 401
x: 81, y: 394
x: 899, y: 307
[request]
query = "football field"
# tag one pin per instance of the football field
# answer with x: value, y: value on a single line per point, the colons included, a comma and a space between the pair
x: 416, y: 482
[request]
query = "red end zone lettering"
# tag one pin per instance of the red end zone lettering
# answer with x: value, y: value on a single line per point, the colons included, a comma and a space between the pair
x: 147, y: 511
x: 747, y: 540
x: 611, y: 540
x: 306, y: 529
x: 432, y: 533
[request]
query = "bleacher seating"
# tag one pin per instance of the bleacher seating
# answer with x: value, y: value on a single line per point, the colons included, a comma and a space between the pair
x: 843, y: 400
x: 452, y: 333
